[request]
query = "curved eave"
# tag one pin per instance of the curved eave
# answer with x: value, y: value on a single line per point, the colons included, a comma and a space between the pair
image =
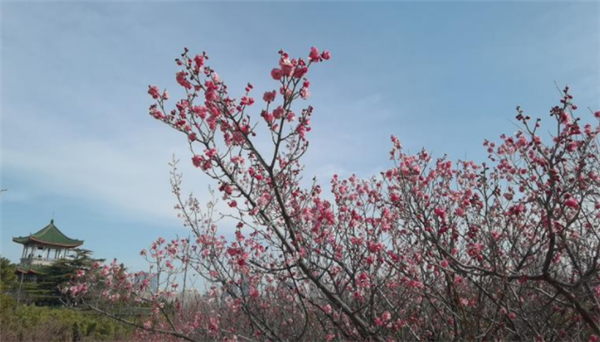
x: 25, y: 240
x: 29, y: 271
x: 22, y: 239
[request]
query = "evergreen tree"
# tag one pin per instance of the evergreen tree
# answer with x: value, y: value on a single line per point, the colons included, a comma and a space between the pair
x: 8, y: 278
x: 47, y: 290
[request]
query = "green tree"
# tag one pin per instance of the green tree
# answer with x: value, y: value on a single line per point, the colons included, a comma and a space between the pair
x: 8, y: 278
x: 47, y: 290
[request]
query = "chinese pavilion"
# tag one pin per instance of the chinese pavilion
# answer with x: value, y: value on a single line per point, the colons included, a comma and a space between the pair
x: 44, y: 248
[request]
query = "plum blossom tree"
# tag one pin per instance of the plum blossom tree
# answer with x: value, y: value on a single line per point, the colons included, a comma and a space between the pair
x: 428, y: 250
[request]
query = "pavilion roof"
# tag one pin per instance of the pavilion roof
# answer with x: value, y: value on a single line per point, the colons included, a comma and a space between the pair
x: 49, y: 235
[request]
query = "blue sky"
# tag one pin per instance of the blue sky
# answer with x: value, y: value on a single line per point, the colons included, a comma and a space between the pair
x: 76, y: 139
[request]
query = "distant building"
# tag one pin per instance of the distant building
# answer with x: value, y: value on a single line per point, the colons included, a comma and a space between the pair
x: 152, y: 281
x: 43, y: 249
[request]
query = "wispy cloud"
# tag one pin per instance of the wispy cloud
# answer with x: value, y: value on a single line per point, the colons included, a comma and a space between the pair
x: 443, y: 76
x: 127, y: 176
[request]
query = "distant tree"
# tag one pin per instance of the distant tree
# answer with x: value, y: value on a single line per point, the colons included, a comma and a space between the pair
x: 8, y: 277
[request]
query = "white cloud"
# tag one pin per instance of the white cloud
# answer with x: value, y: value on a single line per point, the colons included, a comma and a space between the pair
x: 129, y: 176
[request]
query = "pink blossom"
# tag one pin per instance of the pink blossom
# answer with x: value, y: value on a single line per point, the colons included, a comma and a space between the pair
x: 290, y: 116
x: 276, y: 74
x: 211, y: 153
x: 154, y: 92
x: 304, y: 93
x: 213, y: 325
x: 278, y: 113
x: 199, y: 60
x: 200, y: 111
x: 572, y: 203
x: 565, y: 118
x: 300, y: 71
x: 197, y: 160
x: 440, y: 212
x: 572, y: 146
x: 247, y: 101
x: 157, y: 114
x: 182, y: 80
x: 269, y: 118
x: 287, y: 68
x: 374, y: 247
x: 314, y: 55
x: 269, y: 96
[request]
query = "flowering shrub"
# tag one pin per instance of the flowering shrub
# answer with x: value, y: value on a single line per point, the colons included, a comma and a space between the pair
x: 428, y: 250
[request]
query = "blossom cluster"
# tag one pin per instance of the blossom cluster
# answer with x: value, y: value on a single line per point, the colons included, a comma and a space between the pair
x: 430, y: 249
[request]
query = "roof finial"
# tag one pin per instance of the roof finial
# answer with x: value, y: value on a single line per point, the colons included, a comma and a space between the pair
x: 52, y: 219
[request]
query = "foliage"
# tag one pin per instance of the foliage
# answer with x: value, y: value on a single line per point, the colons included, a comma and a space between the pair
x: 427, y: 250
x: 52, y: 278
x: 32, y: 323
x: 8, y: 278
